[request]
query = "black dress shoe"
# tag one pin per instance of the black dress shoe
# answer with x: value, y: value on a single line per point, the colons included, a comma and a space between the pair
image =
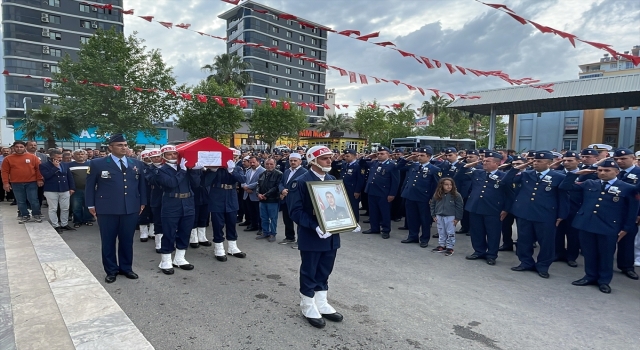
x: 251, y: 229
x: 194, y: 245
x: 206, y: 244
x: 221, y: 258
x: 167, y: 271
x: 491, y: 261
x: 184, y: 266
x: 543, y: 274
x: 368, y: 232
x: 409, y: 241
x: 403, y: 228
x: 59, y: 230
x: 505, y: 248
x: 68, y: 228
x: 424, y: 244
x: 366, y: 221
x: 240, y: 255
x: 462, y: 231
x: 130, y: 275
x: 385, y: 235
x: 583, y: 282
x: 246, y: 223
x: 316, y: 322
x: 144, y: 239
x: 158, y: 251
x: 630, y: 273
x: 521, y: 268
x: 110, y: 278
x: 572, y: 263
x: 604, y: 288
x: 473, y: 257
x: 435, y: 235
x: 334, y: 317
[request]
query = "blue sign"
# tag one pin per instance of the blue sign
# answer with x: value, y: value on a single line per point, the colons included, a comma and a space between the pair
x: 91, y: 136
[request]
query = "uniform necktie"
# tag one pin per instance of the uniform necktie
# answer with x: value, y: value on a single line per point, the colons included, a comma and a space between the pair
x: 539, y: 176
x: 122, y: 166
x: 604, y: 186
x: 623, y: 173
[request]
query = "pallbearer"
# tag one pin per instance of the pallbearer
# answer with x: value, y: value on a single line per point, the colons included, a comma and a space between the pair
x: 155, y: 199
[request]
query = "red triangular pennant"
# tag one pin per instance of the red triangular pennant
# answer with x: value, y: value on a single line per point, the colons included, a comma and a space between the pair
x: 386, y: 43
x: 183, y: 25
x: 349, y: 32
x: 368, y: 36
x: 427, y: 62
x: 450, y: 68
x: 147, y: 18
x: 127, y: 12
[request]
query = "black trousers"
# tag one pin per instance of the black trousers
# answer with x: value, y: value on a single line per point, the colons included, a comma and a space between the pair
x: 253, y: 210
x: 364, y: 201
x: 507, y: 230
x: 570, y: 250
x: 315, y: 270
x: 289, y: 231
x: 397, y: 208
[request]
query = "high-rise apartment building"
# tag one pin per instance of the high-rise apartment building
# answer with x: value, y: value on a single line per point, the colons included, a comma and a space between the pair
x: 37, y: 34
x: 277, y: 76
x: 608, y: 66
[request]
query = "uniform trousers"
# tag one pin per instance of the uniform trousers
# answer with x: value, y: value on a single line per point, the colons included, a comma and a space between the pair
x: 397, y: 208
x: 146, y: 217
x: 289, y: 231
x: 530, y: 232
x: 364, y: 200
x: 315, y: 270
x: 598, y: 251
x: 485, y: 234
x: 567, y: 240
x: 418, y: 215
x: 355, y: 206
x: 465, y: 222
x: 218, y: 221
x: 379, y: 214
x: 120, y: 228
x: 507, y: 230
x: 625, y: 256
x: 201, y: 219
x: 157, y: 220
x: 176, y: 233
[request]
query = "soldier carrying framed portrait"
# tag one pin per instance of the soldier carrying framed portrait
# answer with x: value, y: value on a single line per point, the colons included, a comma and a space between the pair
x: 332, y: 207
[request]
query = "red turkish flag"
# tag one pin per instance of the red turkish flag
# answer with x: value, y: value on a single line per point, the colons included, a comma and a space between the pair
x: 564, y: 35
x: 322, y: 65
x: 183, y: 25
x: 274, y: 104
x: 462, y: 70
x: 186, y: 96
x: 345, y: 106
x: 541, y: 28
x: 363, y: 79
x: 257, y: 101
x: 634, y: 59
x: 233, y: 2
x: 498, y: 6
x: 435, y: 91
x: 421, y: 90
x: 287, y: 16
x: 167, y: 25
x: 218, y: 100
x: 396, y: 82
x: 325, y: 106
x: 117, y: 87
x: 386, y: 43
x: 147, y: 18
x: 201, y: 98
x: 47, y: 80
x: 312, y: 106
x: 342, y: 71
x: 368, y: 36
x: 303, y: 104
x: 437, y: 63
x: 370, y: 105
x: 427, y: 62
x: 517, y: 18
x: 127, y: 12
x: 138, y: 89
x: 450, y: 68
x: 410, y: 87
x: 595, y: 44
x: 243, y: 103
x: 5, y: 72
x: 352, y: 77
x: 377, y: 80
x: 385, y: 80
x: 396, y: 105
x: 337, y: 106
x: 286, y: 106
x: 453, y: 97
x: 349, y: 32
x: 306, y: 24
x: 233, y: 101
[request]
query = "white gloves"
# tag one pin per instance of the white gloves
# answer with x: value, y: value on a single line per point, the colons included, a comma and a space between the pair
x: 183, y: 164
x: 357, y: 229
x: 198, y: 166
x: 231, y: 165
x: 322, y: 234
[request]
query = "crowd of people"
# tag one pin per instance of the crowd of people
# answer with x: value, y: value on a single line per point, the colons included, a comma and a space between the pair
x: 565, y: 204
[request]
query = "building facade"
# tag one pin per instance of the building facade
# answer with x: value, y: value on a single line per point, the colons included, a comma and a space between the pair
x: 275, y: 76
x: 37, y: 34
x: 575, y: 130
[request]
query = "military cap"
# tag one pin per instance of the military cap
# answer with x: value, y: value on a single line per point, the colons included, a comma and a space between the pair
x: 449, y: 150
x: 589, y: 152
x: 621, y: 152
x: 117, y: 138
x: 350, y: 151
x: 492, y: 154
x: 531, y: 154
x: 556, y: 154
x: 600, y: 147
x: 638, y: 154
x: 543, y: 155
x: 398, y: 150
x: 428, y: 150
x: 366, y: 151
x: 299, y: 148
x: 383, y: 148
x: 473, y: 151
x: 518, y: 159
x: 569, y: 154
x: 609, y: 163
x: 285, y: 150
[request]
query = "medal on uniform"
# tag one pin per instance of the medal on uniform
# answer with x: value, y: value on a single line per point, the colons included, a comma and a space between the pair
x: 105, y: 175
x: 383, y: 171
x: 496, y: 185
x: 616, y: 198
x: 350, y: 171
x: 548, y: 188
x: 379, y: 168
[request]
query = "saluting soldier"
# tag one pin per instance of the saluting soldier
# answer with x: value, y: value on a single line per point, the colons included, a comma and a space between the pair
x: 629, y: 173
x: 608, y: 213
x: 588, y: 158
x: 382, y: 187
x: 116, y: 194
x: 422, y: 181
x: 354, y: 180
x: 487, y: 206
x: 570, y: 250
x: 539, y: 207
x: 602, y: 149
x: 464, y: 188
x: 283, y: 163
x: 507, y: 222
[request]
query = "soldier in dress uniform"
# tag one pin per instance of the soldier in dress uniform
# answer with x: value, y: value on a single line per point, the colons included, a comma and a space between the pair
x: 539, y: 207
x: 317, y: 249
x: 507, y: 222
x: 382, y: 186
x: 464, y: 188
x: 116, y: 194
x: 155, y: 198
x: 487, y: 205
x: 145, y: 221
x: 448, y: 165
x: 220, y: 185
x: 588, y: 158
x: 178, y: 208
x: 422, y: 180
x: 364, y: 197
x: 336, y: 166
x: 567, y: 236
x: 608, y: 213
x: 629, y: 173
x: 397, y: 206
x: 354, y: 180
x: 602, y: 149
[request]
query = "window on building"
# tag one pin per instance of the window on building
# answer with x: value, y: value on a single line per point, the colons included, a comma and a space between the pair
x: 301, y: 37
x: 570, y: 144
x: 275, y: 29
x: 274, y: 80
x: 288, y: 94
x: 313, y: 53
x: 312, y: 98
x: 289, y: 22
x: 613, y: 65
x: 312, y: 75
x: 288, y: 34
x: 300, y: 85
x: 288, y: 59
x: 274, y: 92
x: 274, y: 42
x: 85, y: 24
x: 301, y: 62
x: 300, y: 97
x: 313, y: 65
x: 274, y: 67
x: 289, y: 46
x: 85, y: 8
x: 84, y: 40
x: 302, y: 26
x: 55, y: 69
x: 274, y: 55
x: 314, y: 30
x: 301, y: 49
x: 55, y: 52
x: 287, y: 70
x: 287, y: 83
x: 628, y: 65
x: 266, y: 64
x: 54, y: 3
x: 312, y: 87
x: 54, y: 19
x: 611, y: 131
x: 301, y: 73
x: 314, y: 41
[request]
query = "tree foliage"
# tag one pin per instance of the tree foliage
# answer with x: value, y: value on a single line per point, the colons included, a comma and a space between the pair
x: 229, y: 68
x: 446, y: 125
x: 210, y: 119
x: 335, y: 123
x: 48, y: 124
x: 378, y: 126
x: 434, y: 105
x: 272, y: 123
x: 482, y: 133
x: 111, y: 58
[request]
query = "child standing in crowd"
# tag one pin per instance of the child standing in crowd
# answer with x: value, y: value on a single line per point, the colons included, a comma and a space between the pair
x: 446, y: 209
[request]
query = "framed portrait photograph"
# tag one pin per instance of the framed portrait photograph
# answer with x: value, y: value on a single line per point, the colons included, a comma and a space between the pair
x: 332, y: 206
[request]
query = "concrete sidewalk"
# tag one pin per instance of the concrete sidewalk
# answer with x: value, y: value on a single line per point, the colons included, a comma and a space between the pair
x: 48, y: 297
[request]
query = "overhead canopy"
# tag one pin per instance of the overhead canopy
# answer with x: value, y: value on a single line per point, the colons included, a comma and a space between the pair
x: 596, y: 93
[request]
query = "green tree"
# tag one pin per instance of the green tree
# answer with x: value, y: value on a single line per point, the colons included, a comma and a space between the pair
x: 434, y: 105
x: 401, y: 120
x: 371, y: 123
x: 335, y: 123
x: 482, y: 138
x: 49, y: 125
x: 445, y: 125
x: 272, y: 123
x: 210, y: 119
x: 111, y: 58
x: 229, y: 68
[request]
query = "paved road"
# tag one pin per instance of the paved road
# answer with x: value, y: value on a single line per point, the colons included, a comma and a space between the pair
x: 393, y: 296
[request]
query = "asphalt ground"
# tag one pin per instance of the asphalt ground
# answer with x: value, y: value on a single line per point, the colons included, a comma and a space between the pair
x: 392, y: 296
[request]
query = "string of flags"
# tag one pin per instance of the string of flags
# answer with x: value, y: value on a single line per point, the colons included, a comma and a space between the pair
x: 572, y: 38
x: 430, y: 63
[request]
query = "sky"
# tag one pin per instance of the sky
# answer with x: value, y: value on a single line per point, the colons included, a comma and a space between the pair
x: 462, y: 32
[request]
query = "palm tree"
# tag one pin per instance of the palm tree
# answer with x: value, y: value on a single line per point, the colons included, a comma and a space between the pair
x: 434, y: 106
x: 48, y: 124
x: 229, y: 68
x: 332, y: 123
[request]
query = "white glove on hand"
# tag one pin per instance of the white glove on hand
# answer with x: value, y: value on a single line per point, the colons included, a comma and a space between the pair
x: 322, y: 234
x: 230, y: 166
x: 183, y: 164
x: 357, y: 229
x: 198, y: 166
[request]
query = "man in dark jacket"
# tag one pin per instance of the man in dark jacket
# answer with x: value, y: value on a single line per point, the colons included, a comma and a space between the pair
x: 269, y: 197
x: 58, y: 188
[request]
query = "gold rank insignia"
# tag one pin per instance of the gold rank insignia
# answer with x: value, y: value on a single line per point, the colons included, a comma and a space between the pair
x: 362, y: 171
x: 440, y: 174
x: 89, y: 170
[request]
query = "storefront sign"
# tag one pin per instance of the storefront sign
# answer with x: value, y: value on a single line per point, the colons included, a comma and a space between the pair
x: 571, y: 123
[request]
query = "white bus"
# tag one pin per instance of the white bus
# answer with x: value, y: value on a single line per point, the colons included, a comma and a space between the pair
x: 437, y: 143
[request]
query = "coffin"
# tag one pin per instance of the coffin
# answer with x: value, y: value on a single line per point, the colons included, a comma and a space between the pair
x: 206, y: 151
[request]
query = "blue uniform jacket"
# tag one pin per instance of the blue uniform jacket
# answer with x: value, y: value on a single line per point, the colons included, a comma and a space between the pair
x: 57, y: 179
x: 221, y: 189
x: 489, y: 195
x: 285, y: 184
x: 302, y: 213
x: 176, y: 182
x: 113, y: 192
x: 604, y: 212
x: 384, y: 178
x: 533, y: 201
x: 420, y: 185
x: 575, y: 197
x: 353, y: 177
x: 155, y: 197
